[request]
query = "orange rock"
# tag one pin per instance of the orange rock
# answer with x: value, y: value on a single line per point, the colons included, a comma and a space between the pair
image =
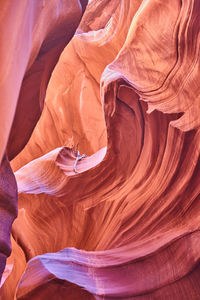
x: 33, y: 35
x: 121, y: 221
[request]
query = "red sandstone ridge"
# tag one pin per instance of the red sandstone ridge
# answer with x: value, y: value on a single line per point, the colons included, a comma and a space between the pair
x: 33, y: 35
x: 118, y: 216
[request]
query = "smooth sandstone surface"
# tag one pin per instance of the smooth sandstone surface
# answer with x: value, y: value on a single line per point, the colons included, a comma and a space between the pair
x: 32, y: 37
x: 122, y: 221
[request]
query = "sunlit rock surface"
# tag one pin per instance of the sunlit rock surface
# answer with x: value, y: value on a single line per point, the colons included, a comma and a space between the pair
x: 109, y: 192
x: 32, y: 36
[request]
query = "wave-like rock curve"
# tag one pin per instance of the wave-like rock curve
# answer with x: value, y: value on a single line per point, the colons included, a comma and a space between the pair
x: 121, y: 222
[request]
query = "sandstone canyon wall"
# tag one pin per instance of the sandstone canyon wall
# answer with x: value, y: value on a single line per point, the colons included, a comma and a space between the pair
x: 109, y: 178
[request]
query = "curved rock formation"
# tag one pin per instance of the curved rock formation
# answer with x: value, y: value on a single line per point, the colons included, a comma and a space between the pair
x: 122, y: 220
x: 30, y: 47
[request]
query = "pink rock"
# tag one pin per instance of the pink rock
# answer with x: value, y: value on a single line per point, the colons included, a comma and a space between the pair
x: 118, y: 216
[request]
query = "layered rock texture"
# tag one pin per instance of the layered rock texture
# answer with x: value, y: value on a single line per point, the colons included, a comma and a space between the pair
x: 109, y: 179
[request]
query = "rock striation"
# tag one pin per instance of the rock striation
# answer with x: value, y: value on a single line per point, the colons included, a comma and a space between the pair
x: 108, y: 183
x: 33, y: 35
